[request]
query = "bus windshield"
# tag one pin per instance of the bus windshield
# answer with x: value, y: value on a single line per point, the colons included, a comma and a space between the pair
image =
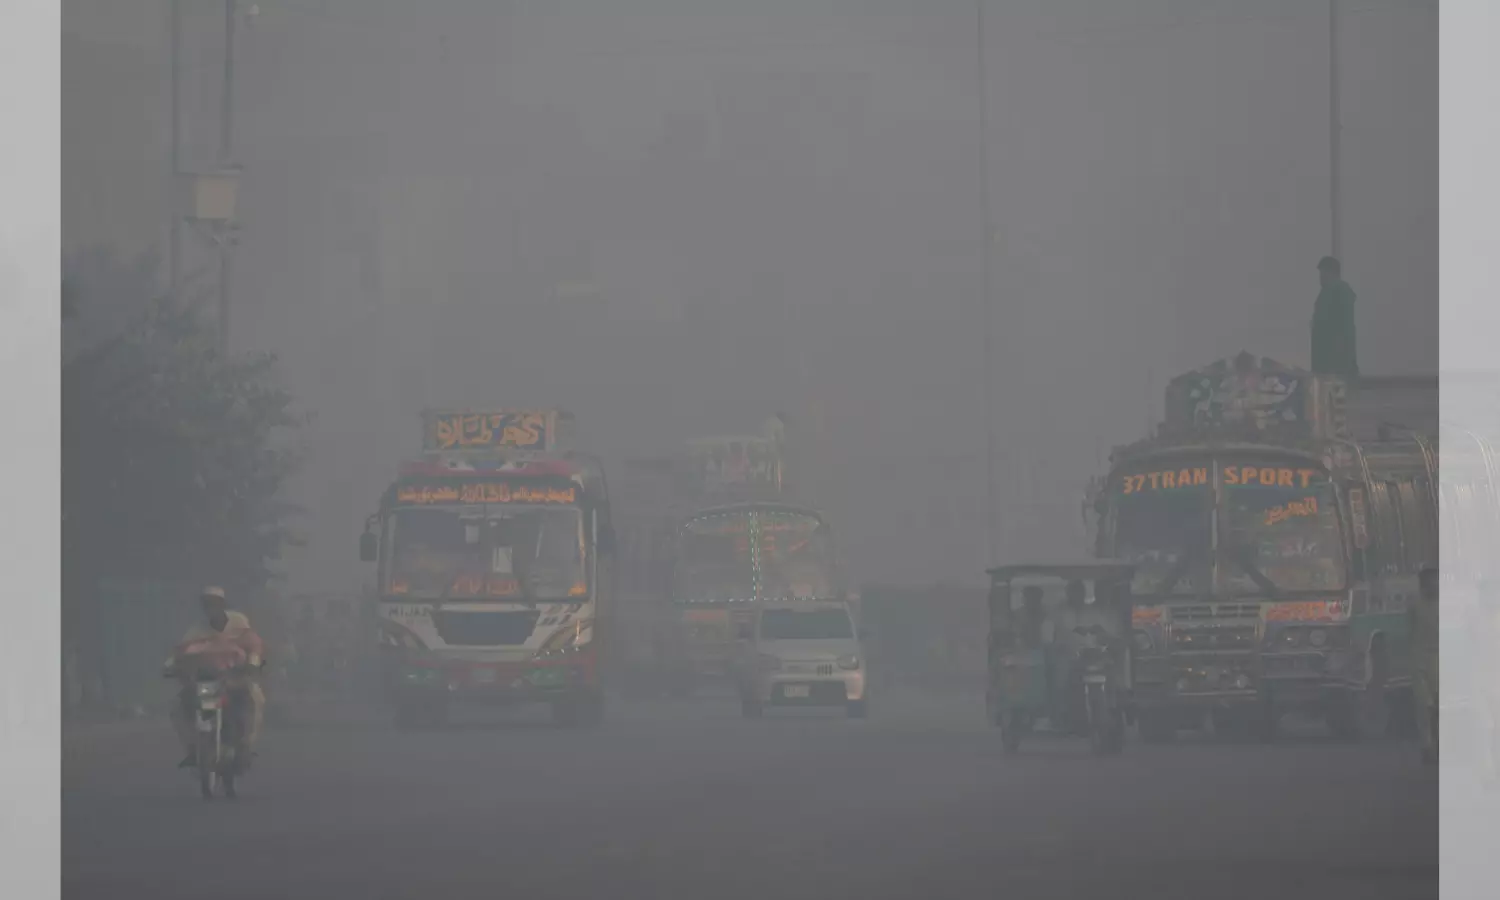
x: 1281, y: 525
x: 1163, y: 522
x: 511, y: 552
x: 749, y: 554
x: 1277, y: 530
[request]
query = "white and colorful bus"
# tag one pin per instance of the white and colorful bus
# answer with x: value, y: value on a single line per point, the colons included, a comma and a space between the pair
x: 494, y: 575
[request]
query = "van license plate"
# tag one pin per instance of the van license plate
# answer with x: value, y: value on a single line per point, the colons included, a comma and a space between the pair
x: 795, y: 692
x: 1094, y: 679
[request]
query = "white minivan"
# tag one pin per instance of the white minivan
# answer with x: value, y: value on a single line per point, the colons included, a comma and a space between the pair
x: 803, y: 653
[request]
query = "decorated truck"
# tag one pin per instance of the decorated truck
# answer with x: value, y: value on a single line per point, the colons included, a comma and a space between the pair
x: 1279, y: 520
x: 706, y: 534
x: 493, y: 550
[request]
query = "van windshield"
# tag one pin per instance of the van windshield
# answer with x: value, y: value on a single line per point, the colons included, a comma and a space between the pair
x: 811, y: 624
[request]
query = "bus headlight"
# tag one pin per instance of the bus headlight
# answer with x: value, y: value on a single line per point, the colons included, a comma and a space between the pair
x: 1317, y: 637
x: 1142, y: 641
x: 848, y: 662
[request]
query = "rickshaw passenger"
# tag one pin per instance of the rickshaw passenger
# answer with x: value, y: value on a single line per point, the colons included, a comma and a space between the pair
x: 1064, y: 653
x: 1033, y: 619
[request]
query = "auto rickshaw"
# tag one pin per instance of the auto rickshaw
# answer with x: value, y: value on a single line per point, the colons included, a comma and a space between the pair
x: 1059, y: 651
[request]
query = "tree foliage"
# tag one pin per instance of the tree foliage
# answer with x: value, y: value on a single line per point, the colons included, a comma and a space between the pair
x: 174, y: 456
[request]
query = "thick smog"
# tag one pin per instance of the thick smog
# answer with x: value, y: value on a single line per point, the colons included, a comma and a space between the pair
x: 842, y: 450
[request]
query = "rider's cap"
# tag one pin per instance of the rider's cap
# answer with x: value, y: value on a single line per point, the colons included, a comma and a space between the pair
x: 213, y: 592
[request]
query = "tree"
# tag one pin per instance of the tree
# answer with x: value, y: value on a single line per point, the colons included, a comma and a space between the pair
x: 174, y: 456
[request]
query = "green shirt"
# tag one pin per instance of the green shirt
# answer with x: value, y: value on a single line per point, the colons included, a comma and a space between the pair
x: 1333, y: 336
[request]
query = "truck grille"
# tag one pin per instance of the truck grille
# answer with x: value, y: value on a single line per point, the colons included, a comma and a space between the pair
x: 1208, y: 612
x: 510, y: 628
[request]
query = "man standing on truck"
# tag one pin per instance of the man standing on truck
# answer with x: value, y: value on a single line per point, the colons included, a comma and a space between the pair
x: 1424, y: 661
x: 1334, y: 341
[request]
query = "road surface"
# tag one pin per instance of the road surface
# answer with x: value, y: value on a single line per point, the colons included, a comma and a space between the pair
x: 686, y: 799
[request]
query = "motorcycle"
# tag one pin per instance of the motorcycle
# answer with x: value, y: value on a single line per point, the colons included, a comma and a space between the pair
x: 219, y: 741
x: 211, y: 705
x: 1104, y: 716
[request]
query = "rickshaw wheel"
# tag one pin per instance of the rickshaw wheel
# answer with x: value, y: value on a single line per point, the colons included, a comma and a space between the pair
x: 1011, y: 732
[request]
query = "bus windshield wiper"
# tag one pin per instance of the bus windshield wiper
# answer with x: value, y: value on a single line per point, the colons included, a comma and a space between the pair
x: 1241, y: 556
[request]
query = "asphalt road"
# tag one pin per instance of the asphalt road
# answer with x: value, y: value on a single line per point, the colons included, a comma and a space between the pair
x: 686, y: 799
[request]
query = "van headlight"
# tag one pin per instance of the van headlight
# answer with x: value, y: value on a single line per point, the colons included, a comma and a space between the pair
x: 850, y: 662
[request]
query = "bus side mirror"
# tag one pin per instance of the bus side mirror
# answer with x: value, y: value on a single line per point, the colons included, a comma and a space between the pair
x: 368, y: 547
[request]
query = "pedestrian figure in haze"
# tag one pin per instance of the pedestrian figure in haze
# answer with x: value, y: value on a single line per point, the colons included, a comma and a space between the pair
x: 1424, y: 663
x: 1333, y: 334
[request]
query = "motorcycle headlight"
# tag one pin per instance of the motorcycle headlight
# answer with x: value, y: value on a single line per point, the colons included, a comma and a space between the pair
x: 207, y: 688
x: 848, y: 662
x: 1317, y: 637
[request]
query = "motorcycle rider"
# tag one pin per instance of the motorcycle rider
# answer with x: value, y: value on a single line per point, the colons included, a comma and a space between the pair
x: 220, y: 623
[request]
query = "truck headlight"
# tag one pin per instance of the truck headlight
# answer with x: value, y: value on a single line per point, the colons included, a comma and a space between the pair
x: 848, y: 662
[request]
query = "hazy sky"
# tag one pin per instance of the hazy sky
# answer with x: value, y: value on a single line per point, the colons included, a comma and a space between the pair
x: 676, y: 223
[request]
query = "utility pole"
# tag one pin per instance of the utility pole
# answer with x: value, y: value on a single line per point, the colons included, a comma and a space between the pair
x: 990, y: 513
x: 174, y: 213
x: 1334, y: 129
x: 226, y: 151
